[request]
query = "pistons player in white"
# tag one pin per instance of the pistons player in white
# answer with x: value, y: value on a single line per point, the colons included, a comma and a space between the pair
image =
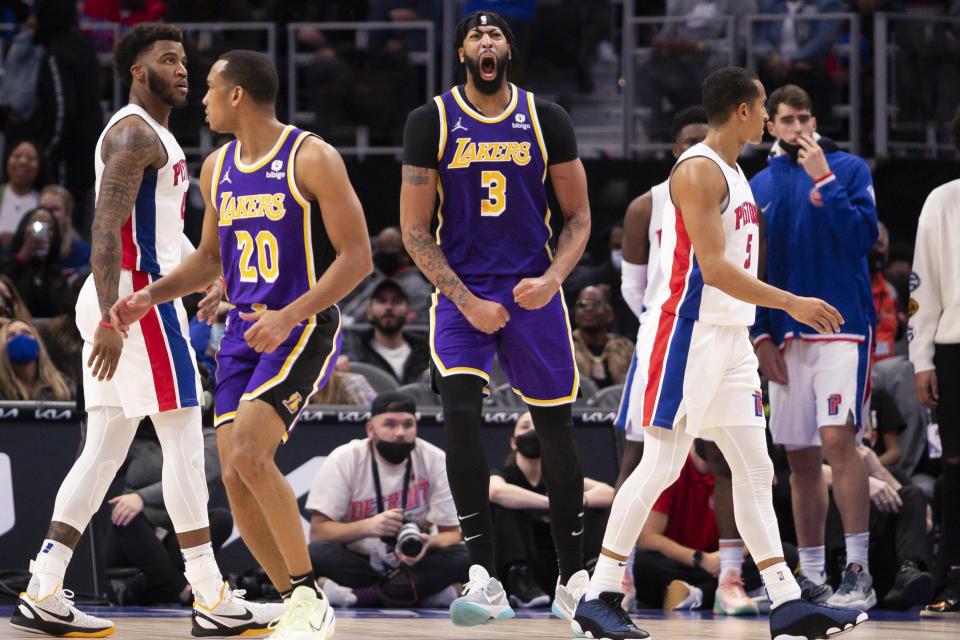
x: 142, y: 180
x: 697, y: 374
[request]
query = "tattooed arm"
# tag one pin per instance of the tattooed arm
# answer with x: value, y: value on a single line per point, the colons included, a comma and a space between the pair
x: 129, y: 148
x: 570, y: 184
x: 417, y: 197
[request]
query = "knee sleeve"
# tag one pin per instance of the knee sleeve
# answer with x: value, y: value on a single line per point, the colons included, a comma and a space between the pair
x: 184, y: 481
x: 109, y: 434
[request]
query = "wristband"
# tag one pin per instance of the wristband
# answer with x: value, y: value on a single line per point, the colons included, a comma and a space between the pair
x: 108, y: 325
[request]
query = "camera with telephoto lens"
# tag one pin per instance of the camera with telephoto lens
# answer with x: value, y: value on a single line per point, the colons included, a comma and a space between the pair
x: 407, y: 540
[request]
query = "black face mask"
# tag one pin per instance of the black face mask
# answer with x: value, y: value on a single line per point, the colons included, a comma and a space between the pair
x: 791, y: 150
x: 876, y: 261
x: 394, y: 452
x: 387, y: 263
x: 528, y: 444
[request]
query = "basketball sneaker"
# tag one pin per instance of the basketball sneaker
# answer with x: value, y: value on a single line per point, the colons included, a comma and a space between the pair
x: 55, y: 615
x: 233, y: 616
x: 799, y: 620
x: 567, y: 597
x: 947, y: 604
x: 855, y: 590
x: 731, y: 599
x: 307, y: 615
x: 525, y: 593
x: 681, y: 595
x: 813, y: 592
x: 483, y: 600
x: 604, y: 617
x: 911, y: 587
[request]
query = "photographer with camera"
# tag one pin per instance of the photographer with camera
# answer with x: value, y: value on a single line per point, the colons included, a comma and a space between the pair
x: 383, y: 522
x: 33, y: 264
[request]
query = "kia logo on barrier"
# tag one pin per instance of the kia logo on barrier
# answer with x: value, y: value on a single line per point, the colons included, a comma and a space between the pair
x: 52, y: 414
x: 598, y: 416
x: 7, y: 513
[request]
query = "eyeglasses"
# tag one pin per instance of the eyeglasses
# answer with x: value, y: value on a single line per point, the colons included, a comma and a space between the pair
x: 594, y: 304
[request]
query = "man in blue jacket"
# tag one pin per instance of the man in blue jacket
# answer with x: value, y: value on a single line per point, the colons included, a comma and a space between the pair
x: 821, y: 221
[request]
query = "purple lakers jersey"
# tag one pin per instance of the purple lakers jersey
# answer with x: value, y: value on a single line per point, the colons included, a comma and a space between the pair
x: 493, y: 215
x: 273, y: 244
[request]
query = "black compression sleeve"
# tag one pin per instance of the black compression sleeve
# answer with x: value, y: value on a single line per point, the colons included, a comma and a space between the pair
x: 421, y: 136
x: 558, y: 134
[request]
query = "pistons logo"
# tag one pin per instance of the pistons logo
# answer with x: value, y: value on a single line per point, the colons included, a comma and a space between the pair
x: 758, y: 404
x: 816, y: 198
x: 833, y: 404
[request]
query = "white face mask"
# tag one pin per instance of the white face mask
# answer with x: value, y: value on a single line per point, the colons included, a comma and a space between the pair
x: 616, y: 256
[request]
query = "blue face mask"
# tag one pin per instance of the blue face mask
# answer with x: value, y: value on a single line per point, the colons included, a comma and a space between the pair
x: 23, y: 349
x: 216, y: 333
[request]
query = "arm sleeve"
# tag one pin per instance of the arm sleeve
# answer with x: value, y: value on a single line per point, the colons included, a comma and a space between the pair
x: 633, y: 285
x: 330, y: 491
x: 925, y: 286
x: 421, y: 137
x: 851, y: 206
x: 558, y: 134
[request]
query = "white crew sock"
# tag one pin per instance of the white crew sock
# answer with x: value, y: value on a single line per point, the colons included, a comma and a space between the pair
x: 50, y: 565
x: 858, y: 549
x: 780, y: 584
x: 812, y: 561
x: 203, y: 574
x: 731, y: 555
x: 607, y: 576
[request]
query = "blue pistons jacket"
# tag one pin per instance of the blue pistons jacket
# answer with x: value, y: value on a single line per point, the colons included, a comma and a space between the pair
x: 818, y: 236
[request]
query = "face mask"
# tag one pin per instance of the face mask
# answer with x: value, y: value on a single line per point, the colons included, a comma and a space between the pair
x: 876, y: 260
x: 616, y: 257
x: 23, y: 349
x: 216, y: 333
x: 790, y: 149
x: 394, y: 452
x: 528, y: 444
x: 387, y: 263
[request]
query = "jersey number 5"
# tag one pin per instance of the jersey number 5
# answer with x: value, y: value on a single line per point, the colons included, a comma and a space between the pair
x: 267, y: 251
x: 496, y: 185
x: 746, y: 263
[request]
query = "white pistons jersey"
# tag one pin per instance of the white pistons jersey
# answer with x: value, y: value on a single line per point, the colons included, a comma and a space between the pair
x: 682, y: 291
x: 150, y: 238
x: 659, y: 196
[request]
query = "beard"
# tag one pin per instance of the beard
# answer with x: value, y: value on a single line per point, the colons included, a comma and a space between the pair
x: 388, y: 326
x: 163, y: 90
x: 487, y: 87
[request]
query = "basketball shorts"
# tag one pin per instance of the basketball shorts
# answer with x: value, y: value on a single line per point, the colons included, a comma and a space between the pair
x: 829, y: 385
x: 157, y: 370
x: 285, y: 378
x: 687, y: 370
x: 534, y: 348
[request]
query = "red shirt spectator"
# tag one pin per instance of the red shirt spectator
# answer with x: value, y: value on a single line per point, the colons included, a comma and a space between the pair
x: 886, y: 303
x: 688, y: 504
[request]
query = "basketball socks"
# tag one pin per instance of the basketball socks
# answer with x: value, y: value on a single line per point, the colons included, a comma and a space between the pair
x: 563, y: 477
x: 203, y: 574
x: 305, y: 580
x: 858, y: 548
x: 607, y: 576
x: 50, y: 566
x: 780, y: 584
x: 731, y: 555
x: 462, y: 398
x: 812, y: 561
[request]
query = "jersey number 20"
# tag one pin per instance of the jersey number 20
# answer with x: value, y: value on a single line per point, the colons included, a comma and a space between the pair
x: 496, y: 185
x: 267, y: 264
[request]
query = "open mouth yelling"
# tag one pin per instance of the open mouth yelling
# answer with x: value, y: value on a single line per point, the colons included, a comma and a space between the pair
x: 488, y: 66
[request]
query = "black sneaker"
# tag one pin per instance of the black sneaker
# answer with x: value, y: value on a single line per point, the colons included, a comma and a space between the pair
x: 798, y: 619
x: 525, y: 592
x: 604, y: 617
x: 947, y: 604
x: 813, y: 592
x: 913, y: 586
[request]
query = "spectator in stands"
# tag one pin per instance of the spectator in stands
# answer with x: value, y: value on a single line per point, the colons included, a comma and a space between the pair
x: 141, y: 533
x: 34, y: 264
x: 12, y: 306
x: 821, y: 221
x: 62, y: 337
x: 404, y: 11
x: 345, y: 387
x: 886, y: 423
x: 891, y: 326
x: 935, y: 352
x: 606, y: 275
x: 390, y: 260
x: 523, y: 544
x: 26, y: 372
x: 18, y: 84
x: 19, y: 193
x: 384, y: 345
x: 74, y: 250
x: 374, y: 497
x: 603, y: 356
x: 684, y: 53
x: 795, y: 51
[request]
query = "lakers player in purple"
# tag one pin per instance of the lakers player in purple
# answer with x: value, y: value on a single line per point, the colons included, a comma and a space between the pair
x: 286, y: 229
x: 486, y: 148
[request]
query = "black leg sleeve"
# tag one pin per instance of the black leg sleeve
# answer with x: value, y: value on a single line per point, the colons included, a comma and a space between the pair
x: 563, y: 476
x: 462, y: 398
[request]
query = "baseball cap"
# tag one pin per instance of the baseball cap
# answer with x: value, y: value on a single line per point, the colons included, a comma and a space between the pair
x: 388, y: 283
x: 390, y: 401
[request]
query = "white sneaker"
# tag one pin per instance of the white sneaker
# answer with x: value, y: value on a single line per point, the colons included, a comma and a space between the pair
x: 483, y: 600
x: 231, y: 615
x: 680, y: 595
x: 55, y: 615
x: 855, y: 591
x: 307, y: 615
x: 566, y: 598
x: 337, y: 595
x: 731, y: 599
